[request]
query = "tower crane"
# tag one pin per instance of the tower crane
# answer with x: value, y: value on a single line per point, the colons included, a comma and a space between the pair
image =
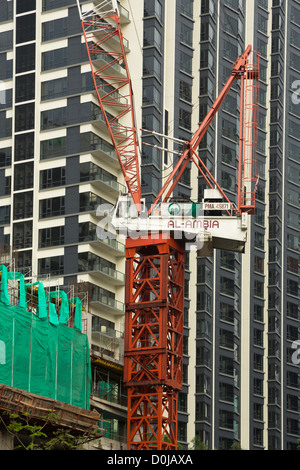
x: 155, y: 255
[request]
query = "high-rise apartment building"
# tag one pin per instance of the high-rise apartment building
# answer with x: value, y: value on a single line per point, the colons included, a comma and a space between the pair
x: 57, y: 165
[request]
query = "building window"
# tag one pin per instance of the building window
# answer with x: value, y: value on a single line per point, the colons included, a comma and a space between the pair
x: 226, y: 312
x: 182, y: 431
x: 151, y: 123
x: 207, y: 87
x: 226, y: 339
x: 25, y: 28
x: 25, y: 88
x: 203, y: 301
x: 152, y: 37
x: 262, y: 24
x: 228, y: 155
x: 226, y: 419
x: 293, y: 219
x: 23, y: 205
x: 152, y: 66
x: 292, y: 287
x: 185, y: 91
x: 228, y: 181
x: 226, y: 392
x: 227, y: 286
x: 23, y: 177
x: 203, y: 356
x: 186, y: 63
x: 292, y: 426
x: 53, y: 265
x: 258, y: 289
x: 53, y: 118
x: 207, y: 60
x: 22, y: 237
x: 25, y: 58
x: 203, y: 328
x: 203, y: 412
x: 258, y: 436
x: 24, y: 261
x: 258, y: 386
x: 89, y: 202
x: 4, y: 215
x: 153, y: 8
x: 259, y: 264
x: 187, y: 7
x: 227, y: 366
x: 54, y: 88
x: 186, y: 34
x: 292, y: 310
x: 151, y: 96
x: 6, y: 12
x: 25, y: 5
x: 54, y: 59
x: 259, y: 241
x: 53, y: 236
x: 295, y: 61
x: 52, y: 178
x: 229, y: 130
x: 258, y: 362
x: 6, y: 41
x: 24, y: 146
x: 273, y: 372
x: 52, y: 207
x: 185, y: 119
x: 204, y: 275
x: 230, y: 51
x: 52, y: 148
x: 5, y: 157
x: 292, y: 403
x: 24, y: 116
x: 55, y: 29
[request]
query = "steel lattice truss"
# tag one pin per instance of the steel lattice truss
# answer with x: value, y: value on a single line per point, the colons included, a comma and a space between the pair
x: 153, y: 347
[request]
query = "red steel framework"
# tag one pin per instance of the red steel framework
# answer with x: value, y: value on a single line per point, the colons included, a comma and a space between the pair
x: 153, y: 342
x: 102, y: 27
x: 155, y: 267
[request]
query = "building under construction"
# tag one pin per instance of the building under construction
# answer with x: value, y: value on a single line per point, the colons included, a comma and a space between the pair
x: 65, y: 115
x: 45, y: 368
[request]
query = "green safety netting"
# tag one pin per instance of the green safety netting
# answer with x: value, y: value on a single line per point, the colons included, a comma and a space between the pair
x: 64, y: 305
x: 39, y: 352
x: 78, y: 312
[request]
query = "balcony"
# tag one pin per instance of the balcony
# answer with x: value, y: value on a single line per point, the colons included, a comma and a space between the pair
x: 101, y: 179
x: 102, y: 269
x: 124, y: 13
x: 109, y: 343
x: 106, y: 304
x: 89, y: 202
x: 119, y: 101
x: 102, y: 59
x: 92, y: 143
x: 101, y: 272
x: 88, y: 234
